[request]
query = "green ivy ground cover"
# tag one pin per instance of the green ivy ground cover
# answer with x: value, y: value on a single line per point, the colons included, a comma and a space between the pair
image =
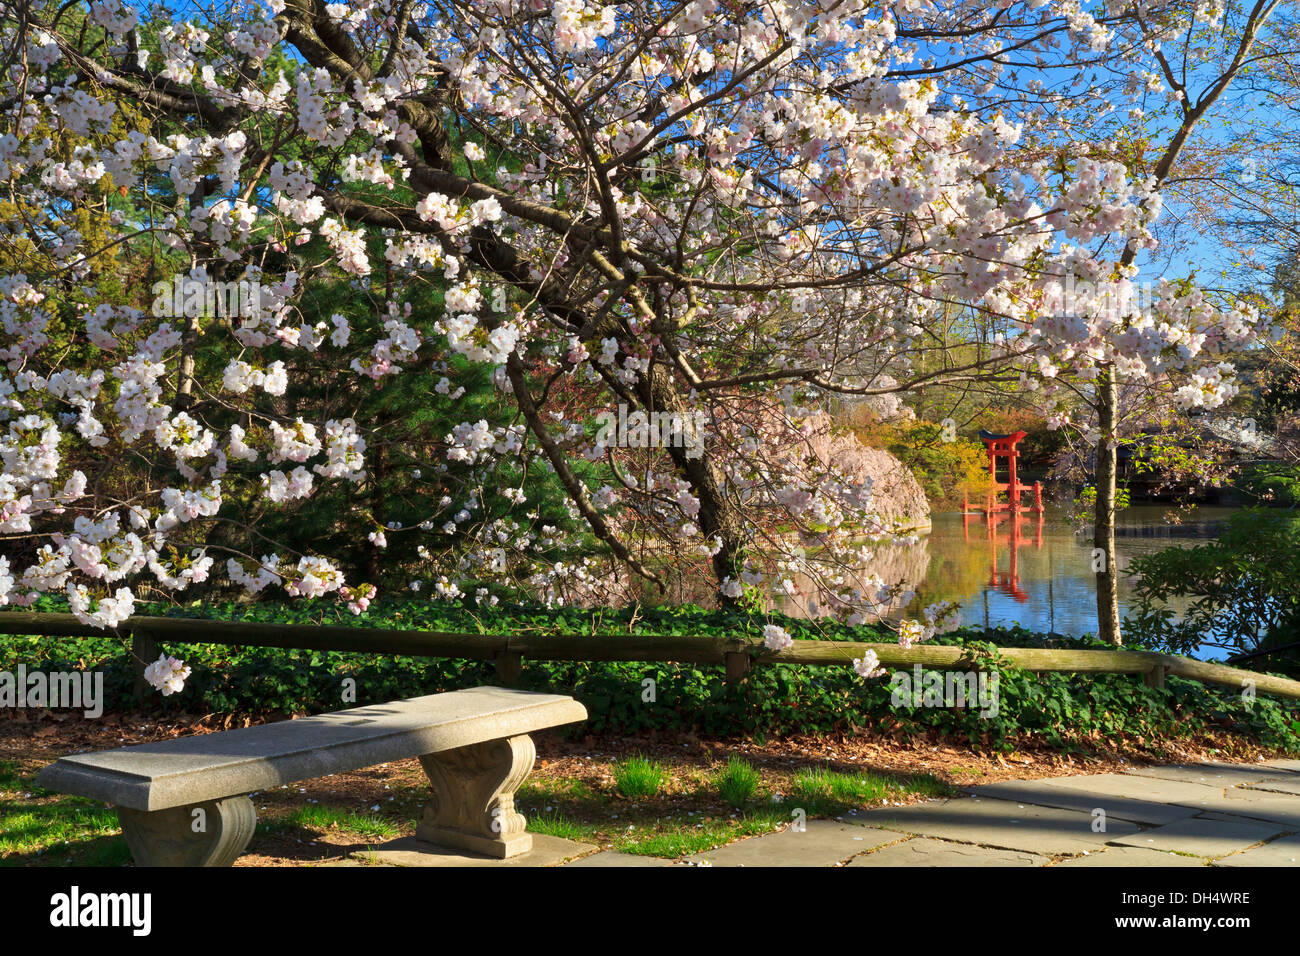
x: 1064, y: 711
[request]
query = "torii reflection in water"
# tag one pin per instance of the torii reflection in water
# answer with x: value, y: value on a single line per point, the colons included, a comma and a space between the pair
x: 1009, y: 528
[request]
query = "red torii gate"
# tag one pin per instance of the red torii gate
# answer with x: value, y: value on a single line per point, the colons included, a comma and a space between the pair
x: 1004, y: 446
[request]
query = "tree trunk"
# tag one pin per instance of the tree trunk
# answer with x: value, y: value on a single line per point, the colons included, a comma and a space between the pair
x: 185, y: 371
x: 1107, y: 389
x: 717, y: 517
x: 1103, y: 537
x: 378, y: 475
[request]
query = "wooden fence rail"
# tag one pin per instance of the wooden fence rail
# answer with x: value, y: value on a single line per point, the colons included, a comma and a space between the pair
x: 736, y: 654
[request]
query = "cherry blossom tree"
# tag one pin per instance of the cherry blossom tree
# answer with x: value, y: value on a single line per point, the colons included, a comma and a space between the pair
x: 1150, y: 347
x: 700, y: 218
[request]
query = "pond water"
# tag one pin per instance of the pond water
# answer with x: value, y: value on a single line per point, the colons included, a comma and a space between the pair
x: 1036, y: 571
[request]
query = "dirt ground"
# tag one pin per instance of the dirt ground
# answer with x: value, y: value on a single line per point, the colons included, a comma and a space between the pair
x: 33, y: 739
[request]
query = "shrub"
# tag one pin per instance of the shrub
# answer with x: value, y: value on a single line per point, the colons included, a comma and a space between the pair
x: 1240, y: 589
x: 1273, y: 483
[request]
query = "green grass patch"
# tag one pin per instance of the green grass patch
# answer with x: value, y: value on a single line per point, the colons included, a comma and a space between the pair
x: 45, y: 829
x: 557, y: 790
x: 738, y: 783
x: 322, y: 817
x: 695, y: 822
x: 671, y: 841
x: 825, y: 791
x: 638, y: 778
x: 557, y: 824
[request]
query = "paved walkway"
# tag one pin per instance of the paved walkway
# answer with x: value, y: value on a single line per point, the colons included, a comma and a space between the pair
x: 1182, y: 815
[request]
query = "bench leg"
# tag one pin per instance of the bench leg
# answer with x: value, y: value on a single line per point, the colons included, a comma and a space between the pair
x: 473, y: 805
x: 212, y: 833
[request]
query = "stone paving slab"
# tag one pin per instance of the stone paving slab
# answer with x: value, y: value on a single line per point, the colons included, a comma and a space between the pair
x: 1231, y: 818
x: 1259, y: 805
x: 1153, y: 789
x: 1037, y: 792
x: 822, y: 843
x: 1202, y: 836
x: 614, y: 858
x: 923, y: 851
x: 1216, y: 774
x: 408, y: 851
x: 1132, y: 856
x: 1276, y: 786
x: 1284, y: 763
x: 1281, y: 810
x: 998, y: 823
x: 1284, y: 851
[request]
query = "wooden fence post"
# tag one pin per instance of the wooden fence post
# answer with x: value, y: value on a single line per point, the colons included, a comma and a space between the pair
x: 144, y: 651
x: 509, y: 666
x: 1155, y: 677
x: 737, y: 663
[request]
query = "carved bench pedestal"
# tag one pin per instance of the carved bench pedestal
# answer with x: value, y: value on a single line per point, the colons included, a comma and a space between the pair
x: 473, y: 803
x: 212, y: 833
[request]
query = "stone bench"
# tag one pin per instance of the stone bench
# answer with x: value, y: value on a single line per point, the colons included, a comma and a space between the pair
x: 184, y: 802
